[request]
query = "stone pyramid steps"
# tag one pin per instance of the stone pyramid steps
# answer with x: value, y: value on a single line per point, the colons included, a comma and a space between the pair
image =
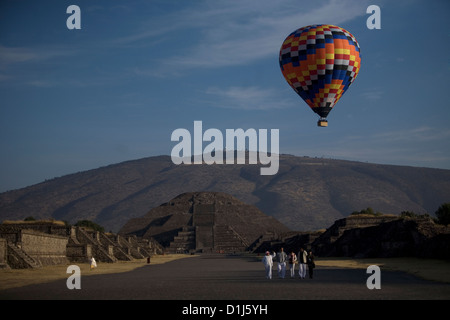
x: 184, y: 241
x: 227, y: 240
x: 22, y: 258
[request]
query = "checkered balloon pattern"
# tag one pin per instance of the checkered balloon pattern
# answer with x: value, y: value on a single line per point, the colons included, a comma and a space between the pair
x: 320, y: 62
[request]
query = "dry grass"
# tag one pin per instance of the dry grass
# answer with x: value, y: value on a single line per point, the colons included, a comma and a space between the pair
x: 429, y: 269
x: 13, y: 278
x: 57, y: 222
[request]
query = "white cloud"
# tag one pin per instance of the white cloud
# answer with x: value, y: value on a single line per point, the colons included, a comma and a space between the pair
x: 419, y: 134
x: 42, y: 84
x: 246, y: 34
x: 420, y: 146
x: 10, y: 55
x: 247, y: 98
x: 372, y: 94
x: 231, y: 33
x: 13, y: 55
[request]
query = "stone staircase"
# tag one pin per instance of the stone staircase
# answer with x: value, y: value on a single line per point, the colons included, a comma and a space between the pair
x: 20, y: 259
x: 184, y: 241
x: 99, y: 251
x: 223, y: 239
x: 259, y: 244
x: 120, y: 251
x: 227, y: 240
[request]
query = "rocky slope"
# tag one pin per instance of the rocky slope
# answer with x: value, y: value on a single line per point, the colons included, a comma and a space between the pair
x: 306, y: 194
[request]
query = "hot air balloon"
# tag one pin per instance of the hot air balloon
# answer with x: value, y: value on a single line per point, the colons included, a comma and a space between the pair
x: 320, y: 62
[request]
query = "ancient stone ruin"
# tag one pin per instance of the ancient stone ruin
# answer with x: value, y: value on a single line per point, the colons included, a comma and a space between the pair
x: 32, y: 244
x: 205, y: 222
x: 363, y: 236
x: 213, y: 222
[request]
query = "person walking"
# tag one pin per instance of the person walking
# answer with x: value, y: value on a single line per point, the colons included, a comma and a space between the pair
x: 268, y: 263
x: 311, y: 264
x: 93, y: 263
x: 292, y: 262
x: 302, y: 261
x: 281, y: 259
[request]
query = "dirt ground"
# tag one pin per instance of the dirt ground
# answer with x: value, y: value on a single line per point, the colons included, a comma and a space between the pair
x: 429, y: 269
x: 13, y: 278
x: 236, y: 277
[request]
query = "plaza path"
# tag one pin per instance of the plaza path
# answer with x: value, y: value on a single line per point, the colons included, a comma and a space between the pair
x: 217, y: 277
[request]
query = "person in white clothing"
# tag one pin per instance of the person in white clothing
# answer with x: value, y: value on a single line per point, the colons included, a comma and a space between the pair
x: 302, y: 255
x: 268, y: 264
x: 93, y: 263
x: 281, y: 259
x: 292, y: 262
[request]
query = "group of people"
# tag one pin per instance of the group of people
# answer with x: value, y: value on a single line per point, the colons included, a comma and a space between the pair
x: 303, y: 259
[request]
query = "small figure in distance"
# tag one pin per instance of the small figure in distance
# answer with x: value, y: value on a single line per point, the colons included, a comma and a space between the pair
x: 302, y: 261
x: 311, y: 264
x: 292, y: 262
x: 281, y: 259
x: 268, y: 264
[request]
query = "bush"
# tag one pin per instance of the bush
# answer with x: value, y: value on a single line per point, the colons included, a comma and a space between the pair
x: 409, y: 214
x: 90, y: 224
x: 369, y: 211
x: 443, y: 214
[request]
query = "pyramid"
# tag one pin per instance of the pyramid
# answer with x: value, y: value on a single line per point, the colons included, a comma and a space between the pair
x: 206, y: 222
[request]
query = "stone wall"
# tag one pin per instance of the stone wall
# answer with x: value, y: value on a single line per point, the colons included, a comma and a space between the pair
x: 400, y: 237
x: 48, y: 227
x: 204, y: 215
x: 46, y: 249
x: 79, y: 252
x: 203, y: 220
x: 32, y: 245
x: 101, y: 252
x: 204, y: 238
x: 32, y: 249
x: 338, y: 228
x: 3, y: 253
x: 184, y: 241
x: 289, y: 241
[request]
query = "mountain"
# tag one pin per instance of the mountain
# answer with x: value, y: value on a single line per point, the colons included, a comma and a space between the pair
x: 306, y: 193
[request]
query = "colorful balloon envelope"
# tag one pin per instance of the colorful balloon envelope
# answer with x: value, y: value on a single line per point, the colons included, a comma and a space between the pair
x: 320, y: 62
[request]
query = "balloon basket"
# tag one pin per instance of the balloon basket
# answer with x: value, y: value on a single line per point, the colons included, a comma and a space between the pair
x: 322, y: 123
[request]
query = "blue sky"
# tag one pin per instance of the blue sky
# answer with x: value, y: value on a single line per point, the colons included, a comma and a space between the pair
x: 74, y: 100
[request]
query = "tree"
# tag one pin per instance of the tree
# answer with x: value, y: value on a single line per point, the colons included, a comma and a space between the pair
x: 30, y: 218
x: 90, y: 224
x: 443, y: 213
x: 409, y: 214
x: 369, y: 211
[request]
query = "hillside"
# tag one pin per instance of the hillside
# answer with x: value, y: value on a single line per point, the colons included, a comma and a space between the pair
x: 306, y: 194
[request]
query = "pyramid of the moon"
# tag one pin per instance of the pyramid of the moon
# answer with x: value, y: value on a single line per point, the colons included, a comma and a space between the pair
x: 205, y: 221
